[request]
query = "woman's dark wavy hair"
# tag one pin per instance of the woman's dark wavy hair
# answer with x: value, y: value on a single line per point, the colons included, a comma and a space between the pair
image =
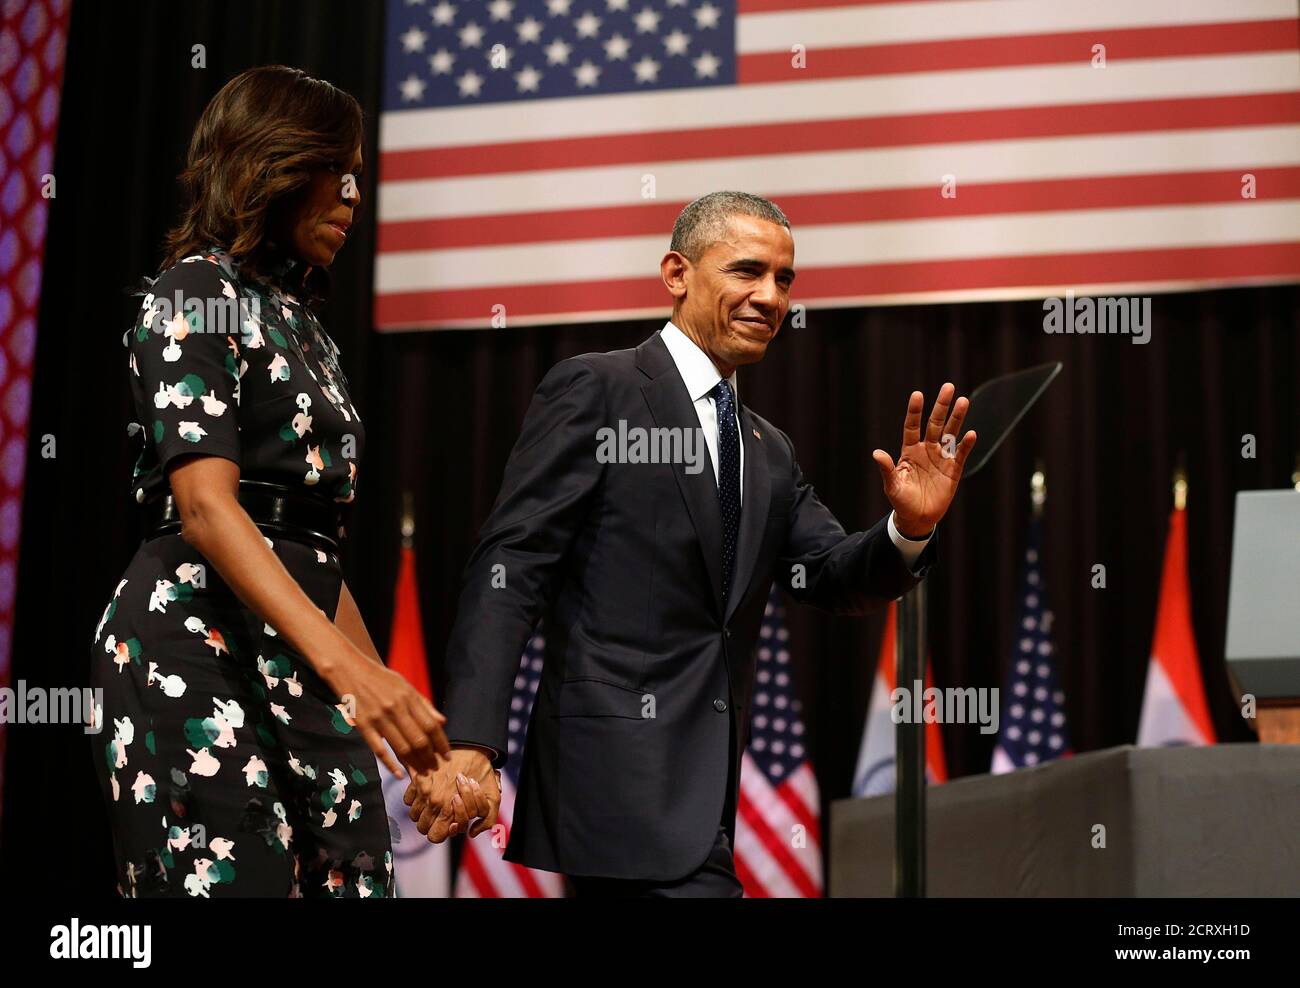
x: 254, y: 148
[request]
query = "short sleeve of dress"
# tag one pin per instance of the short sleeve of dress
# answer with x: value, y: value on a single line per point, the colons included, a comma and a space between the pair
x: 185, y: 357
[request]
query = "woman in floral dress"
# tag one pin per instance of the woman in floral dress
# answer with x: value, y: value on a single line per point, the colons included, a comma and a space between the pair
x: 244, y: 702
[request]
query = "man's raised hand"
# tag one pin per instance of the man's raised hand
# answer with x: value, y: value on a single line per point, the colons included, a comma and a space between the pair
x: 920, y: 487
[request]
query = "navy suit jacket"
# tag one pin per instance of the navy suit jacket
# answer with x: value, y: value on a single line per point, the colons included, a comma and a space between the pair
x: 632, y: 754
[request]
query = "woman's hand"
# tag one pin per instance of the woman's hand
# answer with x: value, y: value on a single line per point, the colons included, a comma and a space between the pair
x: 385, y: 707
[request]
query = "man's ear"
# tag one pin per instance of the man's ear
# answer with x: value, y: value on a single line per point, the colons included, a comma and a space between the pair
x: 673, y: 269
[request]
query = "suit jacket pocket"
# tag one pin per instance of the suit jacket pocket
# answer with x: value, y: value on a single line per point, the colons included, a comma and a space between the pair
x: 599, y: 698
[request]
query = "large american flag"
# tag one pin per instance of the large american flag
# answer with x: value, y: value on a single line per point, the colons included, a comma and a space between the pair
x: 533, y: 155
x: 1032, y: 726
x: 778, y: 837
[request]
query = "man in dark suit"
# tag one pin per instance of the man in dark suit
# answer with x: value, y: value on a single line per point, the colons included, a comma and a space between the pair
x: 644, y: 513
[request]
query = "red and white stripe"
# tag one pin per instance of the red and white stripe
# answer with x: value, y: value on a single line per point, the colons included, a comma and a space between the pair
x: 1101, y: 180
x: 778, y: 836
x: 483, y: 874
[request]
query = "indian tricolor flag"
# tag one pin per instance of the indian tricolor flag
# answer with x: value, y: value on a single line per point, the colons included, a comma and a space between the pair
x: 423, y: 869
x: 1173, y: 708
x: 875, y: 772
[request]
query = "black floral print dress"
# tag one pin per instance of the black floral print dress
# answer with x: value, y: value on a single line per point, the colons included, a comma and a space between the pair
x: 228, y: 766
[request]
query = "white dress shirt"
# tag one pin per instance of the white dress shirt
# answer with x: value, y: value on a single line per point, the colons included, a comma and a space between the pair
x: 700, y: 377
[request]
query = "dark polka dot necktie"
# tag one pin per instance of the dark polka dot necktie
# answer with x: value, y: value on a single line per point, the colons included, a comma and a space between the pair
x: 728, y: 478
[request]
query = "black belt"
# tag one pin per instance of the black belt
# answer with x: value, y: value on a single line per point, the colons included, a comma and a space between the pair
x: 273, y: 507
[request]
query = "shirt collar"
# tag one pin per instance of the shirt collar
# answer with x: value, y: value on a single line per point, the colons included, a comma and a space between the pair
x: 693, y: 364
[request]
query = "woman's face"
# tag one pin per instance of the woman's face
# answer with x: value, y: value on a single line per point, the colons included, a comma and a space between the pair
x: 321, y: 215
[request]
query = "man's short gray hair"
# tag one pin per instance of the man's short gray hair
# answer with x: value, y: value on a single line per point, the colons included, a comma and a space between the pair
x: 705, y: 221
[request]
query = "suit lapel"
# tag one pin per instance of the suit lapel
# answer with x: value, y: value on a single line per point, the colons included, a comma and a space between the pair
x: 670, y: 405
x: 755, y: 499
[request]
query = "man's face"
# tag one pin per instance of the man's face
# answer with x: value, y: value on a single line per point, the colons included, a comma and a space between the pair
x: 733, y: 300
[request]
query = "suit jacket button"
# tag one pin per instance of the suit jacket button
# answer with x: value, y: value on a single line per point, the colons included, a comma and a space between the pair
x: 727, y: 632
x: 720, y: 705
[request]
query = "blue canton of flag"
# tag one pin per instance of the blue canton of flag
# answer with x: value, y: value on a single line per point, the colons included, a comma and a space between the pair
x: 521, y: 700
x: 464, y: 53
x: 776, y: 741
x: 1033, y: 728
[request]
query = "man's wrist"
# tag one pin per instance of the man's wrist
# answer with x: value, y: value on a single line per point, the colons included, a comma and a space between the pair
x: 489, y: 753
x: 908, y: 531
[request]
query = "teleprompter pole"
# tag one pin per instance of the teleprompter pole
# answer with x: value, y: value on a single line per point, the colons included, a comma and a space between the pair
x: 909, y: 751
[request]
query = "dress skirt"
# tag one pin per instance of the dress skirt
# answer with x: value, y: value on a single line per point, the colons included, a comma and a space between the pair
x: 228, y: 766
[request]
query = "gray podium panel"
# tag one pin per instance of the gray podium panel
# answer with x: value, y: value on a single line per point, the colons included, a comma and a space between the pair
x: 1263, y: 646
x: 1222, y: 820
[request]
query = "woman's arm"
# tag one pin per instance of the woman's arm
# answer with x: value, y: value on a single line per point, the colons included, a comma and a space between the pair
x: 386, y: 706
x: 347, y: 618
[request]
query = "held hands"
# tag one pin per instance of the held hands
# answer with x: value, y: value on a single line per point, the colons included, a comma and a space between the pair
x: 921, y: 486
x: 445, y: 801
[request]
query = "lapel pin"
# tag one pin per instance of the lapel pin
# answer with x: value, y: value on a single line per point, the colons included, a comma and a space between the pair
x: 756, y: 435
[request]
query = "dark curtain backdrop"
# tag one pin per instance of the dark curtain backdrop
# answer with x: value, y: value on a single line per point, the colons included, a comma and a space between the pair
x: 442, y: 411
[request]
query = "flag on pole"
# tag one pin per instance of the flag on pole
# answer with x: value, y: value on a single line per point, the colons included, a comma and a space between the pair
x: 778, y: 832
x: 483, y: 874
x: 422, y: 869
x: 1032, y: 725
x: 533, y: 154
x: 875, y: 771
x: 1174, y: 711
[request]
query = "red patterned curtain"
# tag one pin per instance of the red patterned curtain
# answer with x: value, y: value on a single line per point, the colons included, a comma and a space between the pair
x: 33, y: 36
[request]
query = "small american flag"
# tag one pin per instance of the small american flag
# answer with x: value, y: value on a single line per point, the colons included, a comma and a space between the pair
x: 1032, y: 725
x: 778, y: 831
x: 483, y: 874
x: 535, y: 153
